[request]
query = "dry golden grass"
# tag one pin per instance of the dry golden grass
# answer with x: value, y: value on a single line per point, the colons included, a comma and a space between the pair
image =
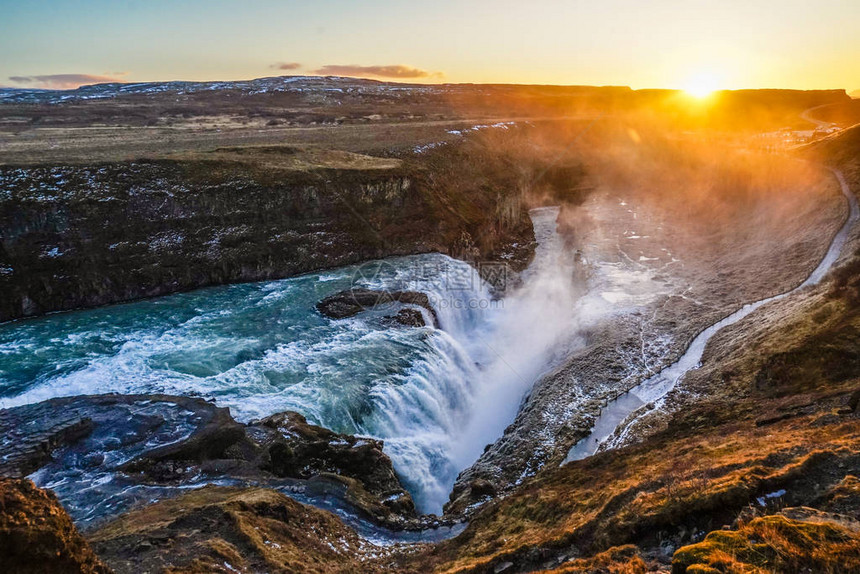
x: 616, y: 498
x: 775, y: 544
x: 617, y: 560
x: 216, y: 529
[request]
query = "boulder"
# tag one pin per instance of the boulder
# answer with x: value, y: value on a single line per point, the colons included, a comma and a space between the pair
x: 37, y: 535
x: 350, y: 302
x: 407, y: 317
x: 298, y: 449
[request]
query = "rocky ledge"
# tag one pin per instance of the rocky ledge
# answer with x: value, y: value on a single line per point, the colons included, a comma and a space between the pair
x: 156, y: 446
x: 207, y: 530
x: 350, y: 302
x: 227, y: 530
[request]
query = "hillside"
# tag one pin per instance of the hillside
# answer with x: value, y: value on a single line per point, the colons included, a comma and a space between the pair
x: 755, y: 468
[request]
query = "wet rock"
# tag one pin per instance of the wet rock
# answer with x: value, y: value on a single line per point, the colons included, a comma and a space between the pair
x: 29, y: 448
x: 352, y: 301
x: 158, y: 443
x: 215, y: 433
x: 302, y: 450
x: 93, y: 460
x: 407, y: 318
x: 37, y: 535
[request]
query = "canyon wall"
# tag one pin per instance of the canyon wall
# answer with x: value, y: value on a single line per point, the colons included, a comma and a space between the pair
x: 86, y: 235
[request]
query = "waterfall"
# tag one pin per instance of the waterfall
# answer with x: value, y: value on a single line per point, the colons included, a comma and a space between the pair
x: 463, y: 394
x: 435, y: 396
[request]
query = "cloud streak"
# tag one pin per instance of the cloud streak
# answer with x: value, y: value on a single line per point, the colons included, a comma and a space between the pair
x: 396, y: 71
x: 286, y: 66
x: 61, y: 81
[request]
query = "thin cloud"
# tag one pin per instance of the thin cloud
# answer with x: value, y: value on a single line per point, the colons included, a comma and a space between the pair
x: 61, y: 81
x: 394, y: 71
x: 286, y: 66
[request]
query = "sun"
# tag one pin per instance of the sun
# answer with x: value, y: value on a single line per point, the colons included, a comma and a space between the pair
x: 702, y: 85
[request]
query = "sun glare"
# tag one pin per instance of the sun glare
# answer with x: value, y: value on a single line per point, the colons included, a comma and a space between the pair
x: 702, y: 85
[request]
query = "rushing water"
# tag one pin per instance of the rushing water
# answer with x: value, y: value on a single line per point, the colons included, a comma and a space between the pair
x: 656, y: 387
x: 436, y: 396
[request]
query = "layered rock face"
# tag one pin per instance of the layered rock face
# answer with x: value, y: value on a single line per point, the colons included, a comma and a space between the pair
x: 86, y: 235
x: 80, y: 236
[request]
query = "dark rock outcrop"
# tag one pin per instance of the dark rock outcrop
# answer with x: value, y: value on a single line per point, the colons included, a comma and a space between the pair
x: 37, y: 535
x: 407, y: 318
x: 164, y: 442
x: 350, y: 302
x: 297, y: 449
x: 74, y: 236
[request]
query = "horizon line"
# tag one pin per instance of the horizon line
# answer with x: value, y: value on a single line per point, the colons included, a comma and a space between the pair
x: 847, y: 91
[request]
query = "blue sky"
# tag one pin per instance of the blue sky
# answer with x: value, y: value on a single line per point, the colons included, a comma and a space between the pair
x: 751, y: 43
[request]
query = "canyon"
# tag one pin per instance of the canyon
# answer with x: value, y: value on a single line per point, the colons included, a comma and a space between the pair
x: 205, y: 387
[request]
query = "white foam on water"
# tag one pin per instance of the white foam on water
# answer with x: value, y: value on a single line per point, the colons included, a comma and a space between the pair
x: 435, y: 396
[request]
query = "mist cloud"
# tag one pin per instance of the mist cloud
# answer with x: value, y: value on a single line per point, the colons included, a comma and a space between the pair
x: 396, y: 71
x: 286, y: 66
x: 61, y: 81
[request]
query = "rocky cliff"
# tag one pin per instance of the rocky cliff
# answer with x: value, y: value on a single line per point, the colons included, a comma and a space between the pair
x: 751, y: 466
x: 86, y: 235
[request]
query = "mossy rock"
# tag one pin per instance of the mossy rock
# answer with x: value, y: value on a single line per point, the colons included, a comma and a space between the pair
x: 774, y: 544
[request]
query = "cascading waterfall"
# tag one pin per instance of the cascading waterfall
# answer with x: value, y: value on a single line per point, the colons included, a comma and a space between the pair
x: 436, y: 396
x: 533, y: 332
x: 463, y: 395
